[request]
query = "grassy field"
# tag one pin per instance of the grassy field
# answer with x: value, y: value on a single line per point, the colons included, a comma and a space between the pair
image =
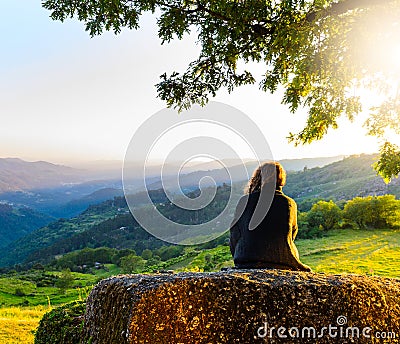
x: 23, y: 304
x: 17, y: 324
x: 371, y: 252
x: 17, y: 291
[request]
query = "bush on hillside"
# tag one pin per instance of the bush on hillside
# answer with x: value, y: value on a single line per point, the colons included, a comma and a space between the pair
x: 62, y: 325
x: 324, y: 215
x: 373, y: 212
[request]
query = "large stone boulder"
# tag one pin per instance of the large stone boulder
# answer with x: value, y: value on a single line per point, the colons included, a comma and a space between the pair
x: 243, y: 306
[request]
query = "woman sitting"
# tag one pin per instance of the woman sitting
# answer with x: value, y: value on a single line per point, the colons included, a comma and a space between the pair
x: 266, y: 240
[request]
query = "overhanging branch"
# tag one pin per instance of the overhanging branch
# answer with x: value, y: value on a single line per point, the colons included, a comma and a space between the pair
x: 344, y: 6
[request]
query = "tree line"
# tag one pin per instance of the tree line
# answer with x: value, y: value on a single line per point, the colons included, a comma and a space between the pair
x: 371, y: 212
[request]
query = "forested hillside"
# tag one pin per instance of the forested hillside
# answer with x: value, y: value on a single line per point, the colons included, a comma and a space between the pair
x: 18, y: 250
x: 341, y: 180
x: 76, y: 206
x: 16, y: 222
x: 108, y: 224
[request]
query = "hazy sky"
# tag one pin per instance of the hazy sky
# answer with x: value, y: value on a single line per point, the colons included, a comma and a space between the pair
x: 65, y: 96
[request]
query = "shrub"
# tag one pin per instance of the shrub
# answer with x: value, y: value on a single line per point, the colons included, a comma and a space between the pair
x: 62, y: 324
x: 132, y: 264
x: 324, y: 215
x: 147, y: 254
x: 373, y: 211
x: 19, y: 292
x: 65, y: 280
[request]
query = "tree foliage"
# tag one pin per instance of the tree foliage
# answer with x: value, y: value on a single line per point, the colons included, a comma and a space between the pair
x: 373, y: 211
x: 65, y: 280
x: 320, y: 51
x: 147, y: 254
x: 325, y: 215
x: 62, y: 324
x: 132, y: 263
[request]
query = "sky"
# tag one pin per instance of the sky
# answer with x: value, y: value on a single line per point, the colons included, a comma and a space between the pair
x: 66, y: 97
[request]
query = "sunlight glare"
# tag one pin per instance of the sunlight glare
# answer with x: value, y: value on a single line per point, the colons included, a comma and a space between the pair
x: 377, y: 44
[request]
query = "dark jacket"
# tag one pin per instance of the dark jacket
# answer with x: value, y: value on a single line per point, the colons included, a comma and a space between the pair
x: 271, y: 243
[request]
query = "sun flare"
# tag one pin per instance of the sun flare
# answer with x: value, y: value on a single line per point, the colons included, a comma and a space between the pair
x: 376, y: 44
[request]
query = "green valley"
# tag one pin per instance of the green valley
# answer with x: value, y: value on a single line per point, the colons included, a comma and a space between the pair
x: 60, y: 262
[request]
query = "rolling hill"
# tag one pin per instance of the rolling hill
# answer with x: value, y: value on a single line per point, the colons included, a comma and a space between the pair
x: 76, y: 206
x: 341, y: 180
x: 108, y: 224
x: 18, y: 250
x: 18, y: 175
x: 190, y: 181
x: 16, y: 222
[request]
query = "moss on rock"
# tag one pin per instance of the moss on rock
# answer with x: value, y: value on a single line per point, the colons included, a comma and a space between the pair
x: 234, y: 306
x: 62, y: 325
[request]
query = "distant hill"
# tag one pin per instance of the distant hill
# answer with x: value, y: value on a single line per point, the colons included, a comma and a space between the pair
x: 107, y: 224
x: 62, y: 191
x: 67, y: 200
x: 76, y: 206
x: 341, y: 180
x: 56, y: 190
x: 301, y: 164
x: 190, y: 181
x: 17, y: 175
x: 18, y: 222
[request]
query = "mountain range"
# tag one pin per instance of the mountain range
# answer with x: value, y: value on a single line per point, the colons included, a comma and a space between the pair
x: 18, y: 175
x: 24, y: 176
x: 235, y: 171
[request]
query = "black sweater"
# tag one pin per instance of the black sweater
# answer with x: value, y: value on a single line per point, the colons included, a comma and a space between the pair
x: 271, y: 243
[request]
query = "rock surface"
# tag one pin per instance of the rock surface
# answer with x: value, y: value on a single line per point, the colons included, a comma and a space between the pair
x: 243, y: 306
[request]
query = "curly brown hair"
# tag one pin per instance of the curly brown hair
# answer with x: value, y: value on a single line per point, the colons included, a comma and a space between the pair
x: 267, y: 172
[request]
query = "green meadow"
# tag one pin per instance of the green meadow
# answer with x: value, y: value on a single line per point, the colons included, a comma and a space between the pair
x: 365, y: 252
x: 369, y: 252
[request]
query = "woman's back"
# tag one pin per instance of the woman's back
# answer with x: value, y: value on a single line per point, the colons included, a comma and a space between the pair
x: 271, y: 243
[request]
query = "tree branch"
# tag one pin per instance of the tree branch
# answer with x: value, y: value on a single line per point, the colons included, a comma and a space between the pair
x: 344, y: 6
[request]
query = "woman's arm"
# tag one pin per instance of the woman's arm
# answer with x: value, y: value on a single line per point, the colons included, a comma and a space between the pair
x: 234, y: 237
x: 234, y: 229
x: 295, y: 229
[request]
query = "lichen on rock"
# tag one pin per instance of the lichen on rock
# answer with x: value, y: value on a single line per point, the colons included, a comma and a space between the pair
x: 242, y: 306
